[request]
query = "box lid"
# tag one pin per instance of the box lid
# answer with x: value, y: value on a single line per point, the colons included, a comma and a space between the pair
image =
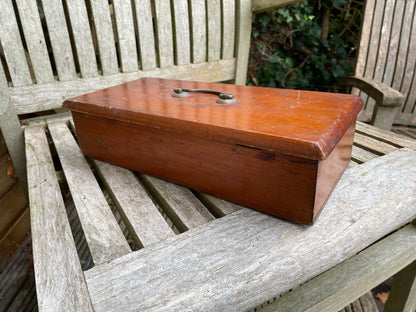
x: 299, y: 123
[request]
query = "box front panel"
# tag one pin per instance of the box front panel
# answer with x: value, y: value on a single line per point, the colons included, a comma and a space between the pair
x: 277, y: 184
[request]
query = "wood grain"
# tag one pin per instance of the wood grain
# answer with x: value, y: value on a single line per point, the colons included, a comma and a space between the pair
x: 81, y: 33
x: 181, y: 32
x: 13, y: 47
x: 126, y: 36
x: 106, y: 44
x: 163, y: 20
x: 47, y: 212
x: 146, y: 34
x: 363, y: 208
x: 243, y: 35
x: 12, y: 206
x: 228, y: 29
x: 104, y: 237
x: 198, y: 30
x: 214, y: 29
x: 35, y: 40
x: 59, y: 38
x: 140, y: 214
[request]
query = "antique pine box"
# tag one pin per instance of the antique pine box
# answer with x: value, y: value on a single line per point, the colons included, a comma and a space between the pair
x: 277, y: 151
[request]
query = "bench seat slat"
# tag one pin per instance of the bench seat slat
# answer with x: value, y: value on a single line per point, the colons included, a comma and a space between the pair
x: 225, y: 260
x: 361, y: 155
x: 58, y: 274
x: 220, y: 206
x: 373, y: 144
x: 178, y: 202
x: 103, y: 234
x: 145, y: 222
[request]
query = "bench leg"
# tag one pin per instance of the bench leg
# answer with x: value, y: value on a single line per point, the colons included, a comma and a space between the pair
x: 383, y: 116
x: 403, y: 293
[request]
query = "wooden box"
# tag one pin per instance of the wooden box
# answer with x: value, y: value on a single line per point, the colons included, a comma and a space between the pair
x: 277, y: 151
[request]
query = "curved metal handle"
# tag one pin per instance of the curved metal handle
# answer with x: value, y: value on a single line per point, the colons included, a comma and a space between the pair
x: 224, y: 98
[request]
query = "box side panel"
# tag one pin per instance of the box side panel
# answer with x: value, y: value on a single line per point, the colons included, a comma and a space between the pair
x: 277, y: 184
x: 331, y: 169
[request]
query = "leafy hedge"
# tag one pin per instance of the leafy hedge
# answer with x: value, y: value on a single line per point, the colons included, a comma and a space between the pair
x: 308, y: 45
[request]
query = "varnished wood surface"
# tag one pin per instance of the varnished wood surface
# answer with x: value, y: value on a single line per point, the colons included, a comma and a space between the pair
x: 298, y: 123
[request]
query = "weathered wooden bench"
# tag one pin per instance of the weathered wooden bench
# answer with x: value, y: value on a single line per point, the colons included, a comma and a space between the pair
x: 158, y: 246
x: 386, y: 55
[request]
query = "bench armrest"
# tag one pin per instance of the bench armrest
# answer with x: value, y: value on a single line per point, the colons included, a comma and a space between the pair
x: 380, y: 92
x: 258, y: 6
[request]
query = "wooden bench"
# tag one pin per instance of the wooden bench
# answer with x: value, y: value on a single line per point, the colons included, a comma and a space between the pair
x: 386, y: 55
x: 156, y: 245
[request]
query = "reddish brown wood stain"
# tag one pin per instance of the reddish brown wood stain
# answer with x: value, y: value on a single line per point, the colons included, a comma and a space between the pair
x: 270, y: 151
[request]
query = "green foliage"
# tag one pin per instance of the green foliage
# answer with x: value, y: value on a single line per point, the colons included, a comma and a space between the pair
x: 290, y: 50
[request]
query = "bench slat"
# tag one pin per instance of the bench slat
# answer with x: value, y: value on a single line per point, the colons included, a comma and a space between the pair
x: 219, y: 206
x: 361, y: 155
x: 83, y: 40
x: 385, y: 135
x: 199, y: 33
x: 125, y: 35
x: 182, y: 32
x: 214, y: 29
x: 58, y: 274
x: 146, y: 34
x: 35, y: 41
x: 12, y: 46
x: 233, y: 257
x: 373, y: 144
x: 104, y: 237
x: 59, y: 38
x: 178, y: 202
x: 105, y: 41
x: 408, y: 84
x: 140, y: 214
x: 228, y: 29
x: 163, y: 21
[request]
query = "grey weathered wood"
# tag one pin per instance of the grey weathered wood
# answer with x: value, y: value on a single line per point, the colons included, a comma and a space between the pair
x: 51, y: 232
x: 59, y: 38
x: 373, y: 144
x: 163, y: 19
x: 198, y: 33
x: 182, y: 32
x: 361, y: 155
x: 13, y: 135
x: 35, y: 40
x: 146, y: 34
x: 105, y: 40
x: 368, y: 303
x: 81, y: 33
x: 228, y: 29
x: 386, y: 136
x: 347, y: 281
x: 49, y: 96
x: 214, y: 29
x: 125, y: 35
x: 13, y: 47
x: 234, y: 257
x: 243, y: 35
x: 140, y: 214
x: 408, y: 85
x: 104, y: 237
x: 178, y: 202
x: 218, y: 206
x: 402, y: 296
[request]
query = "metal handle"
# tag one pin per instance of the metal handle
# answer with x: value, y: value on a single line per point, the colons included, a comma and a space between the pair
x: 224, y: 98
